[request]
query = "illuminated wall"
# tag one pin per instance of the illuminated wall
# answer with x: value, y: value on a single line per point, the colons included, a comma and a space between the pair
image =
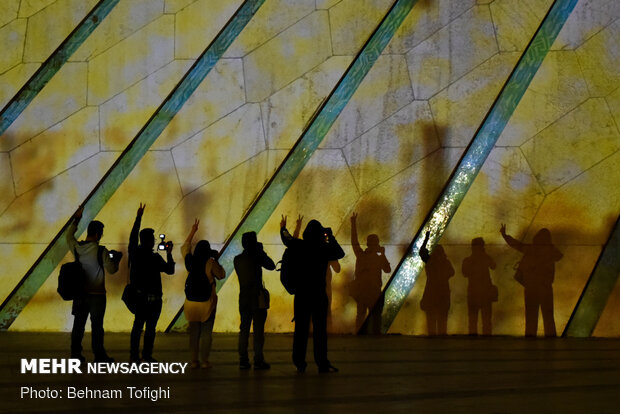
x: 386, y: 157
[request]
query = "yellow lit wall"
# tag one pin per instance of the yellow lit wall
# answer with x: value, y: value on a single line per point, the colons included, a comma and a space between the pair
x: 387, y: 156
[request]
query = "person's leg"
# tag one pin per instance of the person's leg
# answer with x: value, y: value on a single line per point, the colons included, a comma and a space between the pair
x: 472, y: 313
x: 80, y: 315
x: 487, y: 325
x: 300, y: 336
x: 431, y: 323
x: 97, y: 304
x: 207, y: 341
x: 546, y: 307
x: 319, y: 333
x: 361, y: 315
x: 136, y: 333
x: 194, y: 341
x: 531, y: 313
x: 259, y: 317
x: 376, y: 317
x: 244, y: 334
x: 442, y: 321
x: 149, y: 331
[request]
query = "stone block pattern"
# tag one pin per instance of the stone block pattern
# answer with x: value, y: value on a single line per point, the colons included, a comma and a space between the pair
x: 387, y: 157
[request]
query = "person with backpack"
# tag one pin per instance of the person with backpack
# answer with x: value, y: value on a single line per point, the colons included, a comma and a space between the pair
x: 95, y: 261
x: 253, y: 298
x: 145, y: 267
x: 311, y: 255
x: 200, y: 296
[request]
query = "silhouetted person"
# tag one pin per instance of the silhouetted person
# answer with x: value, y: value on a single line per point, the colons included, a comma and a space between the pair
x: 252, y: 301
x: 369, y: 264
x: 436, y: 297
x: 200, y: 296
x: 536, y: 272
x: 145, y: 267
x: 95, y: 261
x: 481, y: 293
x: 319, y: 247
x: 332, y: 266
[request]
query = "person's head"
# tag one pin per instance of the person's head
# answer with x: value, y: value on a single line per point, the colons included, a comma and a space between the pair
x: 95, y: 230
x: 543, y: 237
x: 248, y: 240
x: 477, y: 244
x: 203, y: 250
x: 314, y: 232
x: 372, y: 241
x: 147, y: 238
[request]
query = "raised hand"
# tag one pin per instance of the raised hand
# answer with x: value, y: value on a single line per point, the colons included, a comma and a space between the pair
x: 283, y: 222
x: 353, y: 217
x: 502, y: 229
x: 141, y: 209
x: 300, y: 219
x: 195, y: 225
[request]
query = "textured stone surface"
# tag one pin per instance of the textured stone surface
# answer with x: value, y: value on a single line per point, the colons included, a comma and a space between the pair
x: 353, y: 21
x: 66, y: 144
x: 576, y: 142
x: 7, y: 187
x: 516, y: 21
x: 29, y: 7
x: 586, y: 20
x: 451, y: 52
x: 50, y: 26
x: 66, y: 92
x: 287, y: 56
x: 557, y: 88
x: 12, y: 38
x: 286, y: 112
x: 8, y: 11
x: 237, y: 137
x: 391, y: 146
x: 599, y: 58
x: 135, y: 58
x: 273, y: 17
x: 12, y: 80
x: 174, y: 6
x: 385, y: 90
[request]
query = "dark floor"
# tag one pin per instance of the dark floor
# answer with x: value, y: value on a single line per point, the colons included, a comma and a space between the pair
x: 377, y: 374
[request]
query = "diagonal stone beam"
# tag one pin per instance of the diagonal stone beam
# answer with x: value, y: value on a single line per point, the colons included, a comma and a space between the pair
x: 134, y: 152
x: 273, y: 192
x: 57, y: 59
x: 404, y: 277
x: 595, y: 295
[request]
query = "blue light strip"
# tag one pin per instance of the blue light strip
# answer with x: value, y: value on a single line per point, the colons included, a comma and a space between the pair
x: 595, y: 295
x: 405, y: 276
x: 53, y: 64
x: 266, y: 203
x: 56, y: 251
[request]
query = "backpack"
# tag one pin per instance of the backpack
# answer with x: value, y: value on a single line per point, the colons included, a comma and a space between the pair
x: 72, y: 276
x: 289, y: 269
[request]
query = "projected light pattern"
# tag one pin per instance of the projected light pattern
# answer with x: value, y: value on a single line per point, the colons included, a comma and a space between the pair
x: 53, y: 64
x: 481, y: 145
x: 274, y: 191
x: 598, y: 289
x: 57, y: 250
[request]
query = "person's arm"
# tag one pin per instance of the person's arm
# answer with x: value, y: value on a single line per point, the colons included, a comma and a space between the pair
x: 109, y: 264
x: 70, y: 235
x: 334, y: 251
x: 512, y: 242
x: 187, y: 245
x: 491, y: 264
x: 355, y: 244
x: 266, y: 261
x: 169, y: 263
x: 385, y: 264
x: 424, y: 253
x: 135, y: 230
x: 286, y: 237
x: 335, y: 265
x: 297, y: 230
x: 217, y: 270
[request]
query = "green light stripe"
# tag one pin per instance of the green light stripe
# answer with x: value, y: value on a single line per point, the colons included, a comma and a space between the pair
x: 405, y: 276
x: 56, y: 251
x: 53, y: 64
x: 264, y: 206
x: 595, y: 295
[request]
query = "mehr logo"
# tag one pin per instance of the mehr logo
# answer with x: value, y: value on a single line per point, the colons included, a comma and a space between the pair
x: 51, y: 366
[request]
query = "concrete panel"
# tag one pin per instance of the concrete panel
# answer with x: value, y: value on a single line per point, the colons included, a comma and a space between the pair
x: 516, y: 21
x: 270, y: 20
x: 452, y: 52
x: 286, y: 112
x: 391, y: 146
x: 352, y: 22
x: 599, y: 58
x: 131, y: 60
x: 194, y: 28
x: 326, y: 4
x: 124, y: 20
x: 66, y: 144
x: 613, y: 100
x: 12, y: 80
x: 557, y: 88
x: 50, y: 26
x: 174, y: 6
x: 287, y: 56
x: 13, y: 270
x: 7, y: 185
x: 29, y: 7
x: 66, y: 92
x: 12, y: 38
x: 588, y: 18
x: 237, y: 137
x: 384, y: 91
x: 8, y: 11
x: 572, y: 145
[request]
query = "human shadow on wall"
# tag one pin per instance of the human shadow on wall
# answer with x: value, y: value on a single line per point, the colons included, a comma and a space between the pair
x: 436, y: 297
x: 481, y: 292
x: 366, y: 285
x: 536, y: 272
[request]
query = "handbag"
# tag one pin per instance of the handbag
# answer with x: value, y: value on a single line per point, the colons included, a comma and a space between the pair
x: 132, y: 297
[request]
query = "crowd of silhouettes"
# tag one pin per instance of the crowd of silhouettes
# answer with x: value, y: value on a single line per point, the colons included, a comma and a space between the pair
x: 316, y: 254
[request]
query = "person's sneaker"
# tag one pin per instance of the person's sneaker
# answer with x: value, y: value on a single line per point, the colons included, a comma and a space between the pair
x: 194, y: 364
x: 244, y: 365
x: 205, y: 365
x: 328, y: 369
x: 261, y: 365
